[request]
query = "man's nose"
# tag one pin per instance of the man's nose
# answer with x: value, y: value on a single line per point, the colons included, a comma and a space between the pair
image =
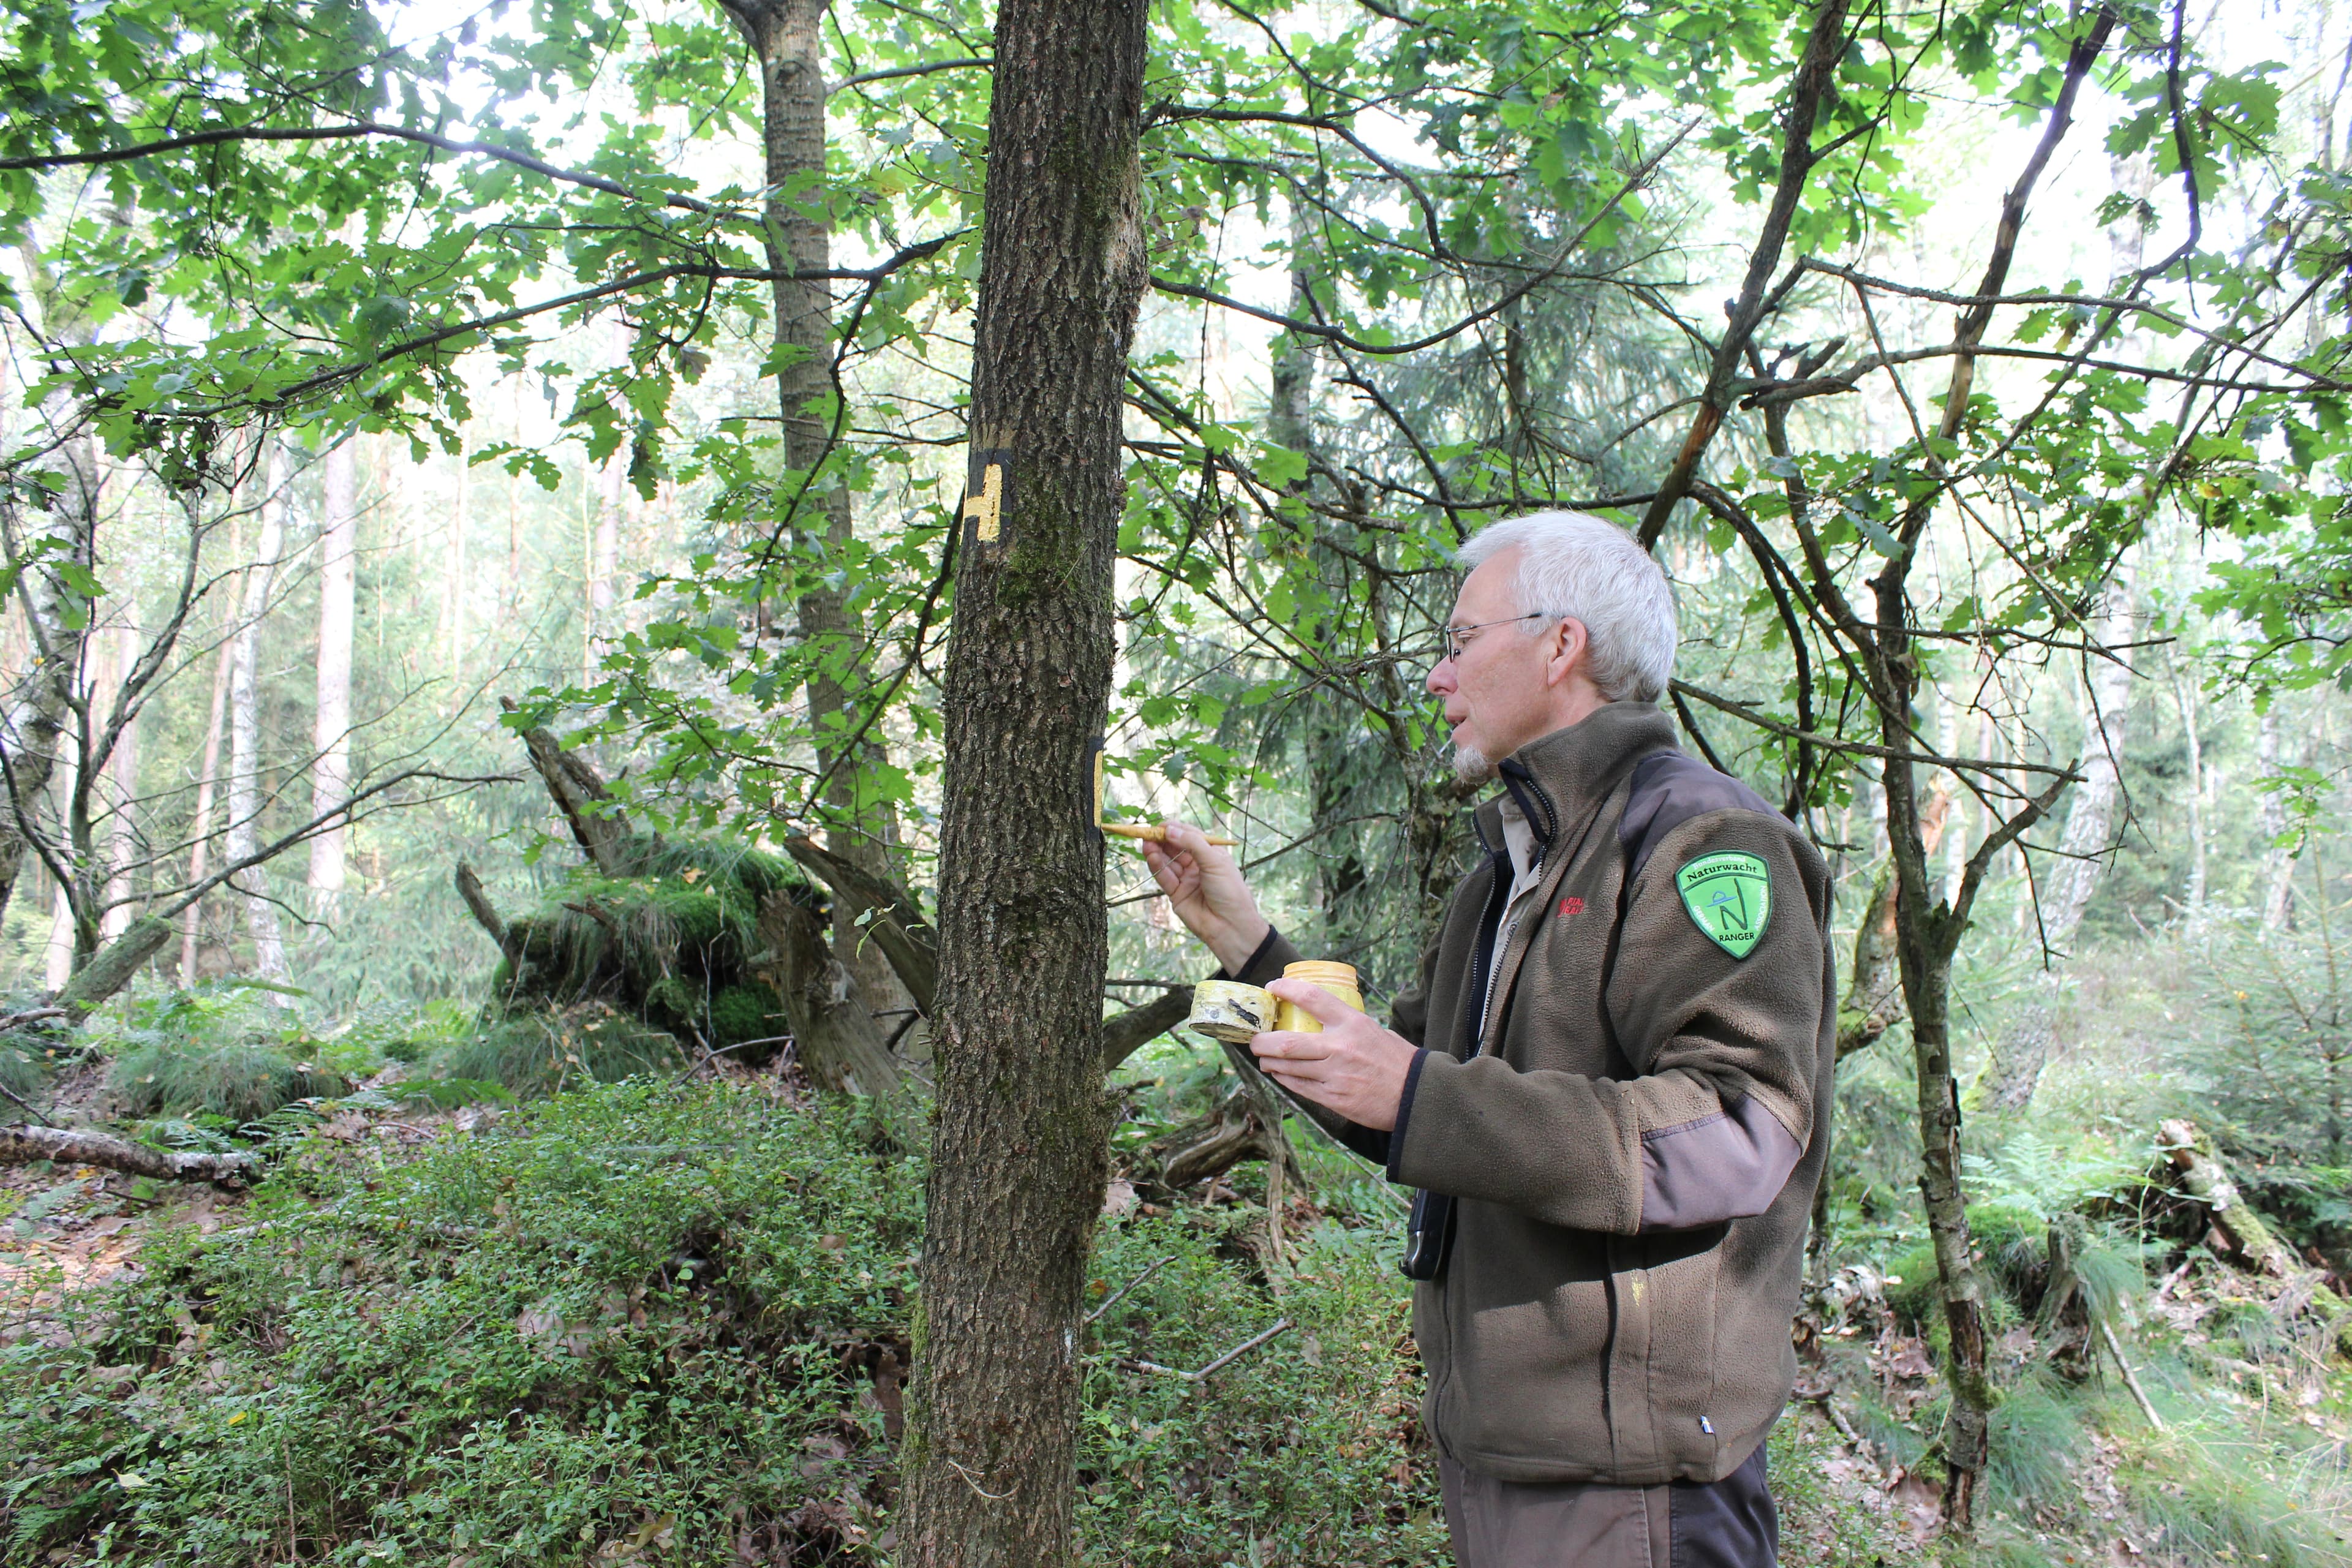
x: 1441, y: 677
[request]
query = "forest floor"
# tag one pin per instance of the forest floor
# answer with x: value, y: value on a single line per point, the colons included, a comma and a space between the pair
x: 668, y: 1322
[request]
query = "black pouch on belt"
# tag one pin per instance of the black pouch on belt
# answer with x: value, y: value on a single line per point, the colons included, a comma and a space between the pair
x: 1428, y: 1236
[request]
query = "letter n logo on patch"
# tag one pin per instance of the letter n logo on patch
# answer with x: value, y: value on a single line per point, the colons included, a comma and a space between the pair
x: 1730, y: 895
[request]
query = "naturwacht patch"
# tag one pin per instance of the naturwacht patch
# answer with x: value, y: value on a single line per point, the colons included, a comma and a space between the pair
x: 1729, y: 894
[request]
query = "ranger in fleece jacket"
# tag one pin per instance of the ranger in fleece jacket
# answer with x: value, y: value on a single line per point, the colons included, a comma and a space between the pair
x: 1612, y: 1085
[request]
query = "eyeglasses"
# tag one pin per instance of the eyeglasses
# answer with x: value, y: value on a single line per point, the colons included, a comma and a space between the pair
x: 1456, y: 636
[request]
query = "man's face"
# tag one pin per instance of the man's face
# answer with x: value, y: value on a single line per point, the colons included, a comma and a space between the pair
x: 1496, y: 693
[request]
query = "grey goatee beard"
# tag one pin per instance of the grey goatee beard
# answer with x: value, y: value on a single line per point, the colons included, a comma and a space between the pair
x: 1472, y: 766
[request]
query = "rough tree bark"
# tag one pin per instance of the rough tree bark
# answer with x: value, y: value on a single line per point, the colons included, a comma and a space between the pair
x: 331, y: 774
x: 1019, y: 1153
x: 33, y: 721
x: 2026, y: 1046
x: 598, y: 825
x: 833, y: 1029
x: 784, y: 37
x: 245, y: 723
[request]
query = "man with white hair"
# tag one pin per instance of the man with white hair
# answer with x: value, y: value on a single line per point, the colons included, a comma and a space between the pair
x: 1612, y: 1087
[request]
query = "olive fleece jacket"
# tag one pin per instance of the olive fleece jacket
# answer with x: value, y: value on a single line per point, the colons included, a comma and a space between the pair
x: 1630, y: 1120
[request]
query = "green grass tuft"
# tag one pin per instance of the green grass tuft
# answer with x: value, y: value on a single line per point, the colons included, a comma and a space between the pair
x: 542, y: 1051
x: 241, y: 1079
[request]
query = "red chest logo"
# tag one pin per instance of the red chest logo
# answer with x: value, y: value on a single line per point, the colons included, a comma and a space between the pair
x: 1571, y: 906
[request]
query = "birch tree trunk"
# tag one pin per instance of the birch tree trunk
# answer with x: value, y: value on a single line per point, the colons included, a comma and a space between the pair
x: 32, y: 726
x: 1018, y: 1154
x: 245, y: 724
x: 2027, y: 1044
x: 330, y: 773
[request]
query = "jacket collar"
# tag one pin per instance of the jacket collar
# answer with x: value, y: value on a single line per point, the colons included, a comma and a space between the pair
x: 1561, y: 777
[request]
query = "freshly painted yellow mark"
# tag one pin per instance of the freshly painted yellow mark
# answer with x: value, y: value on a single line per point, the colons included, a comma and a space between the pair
x: 986, y: 507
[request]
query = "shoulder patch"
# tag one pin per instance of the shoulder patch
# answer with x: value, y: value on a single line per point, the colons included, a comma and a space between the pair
x: 1729, y: 893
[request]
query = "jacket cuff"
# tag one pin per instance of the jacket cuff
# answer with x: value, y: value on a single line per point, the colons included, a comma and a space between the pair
x: 1404, y: 1114
x: 1274, y: 951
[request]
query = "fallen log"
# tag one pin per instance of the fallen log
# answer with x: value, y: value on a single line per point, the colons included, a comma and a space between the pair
x: 75, y: 1146
x: 2204, y: 1177
x: 116, y: 964
x: 2246, y: 1236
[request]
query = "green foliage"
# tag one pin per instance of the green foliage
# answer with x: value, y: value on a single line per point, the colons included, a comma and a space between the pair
x: 543, y: 1050
x: 614, y: 1308
x: 243, y: 1080
x: 644, y: 1309
x: 668, y: 945
x: 238, y: 1050
x: 2215, y: 1502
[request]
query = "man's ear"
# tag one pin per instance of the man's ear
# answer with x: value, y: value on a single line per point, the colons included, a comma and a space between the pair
x: 1570, y: 644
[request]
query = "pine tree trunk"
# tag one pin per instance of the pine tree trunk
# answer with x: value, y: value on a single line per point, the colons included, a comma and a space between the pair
x: 1019, y: 1145
x: 330, y: 773
x: 245, y: 725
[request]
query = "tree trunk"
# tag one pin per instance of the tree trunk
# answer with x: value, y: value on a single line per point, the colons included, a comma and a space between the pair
x: 2277, y: 884
x: 34, y: 719
x: 116, y: 964
x: 1019, y: 1151
x: 122, y: 851
x: 785, y: 36
x: 200, y: 830
x: 833, y: 1029
x: 1874, y: 988
x: 2184, y: 697
x: 598, y: 825
x: 245, y: 726
x: 885, y: 914
x: 2027, y: 1045
x: 330, y: 773
x: 458, y: 525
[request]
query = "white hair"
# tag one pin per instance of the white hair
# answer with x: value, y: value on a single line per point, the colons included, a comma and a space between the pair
x: 1575, y: 567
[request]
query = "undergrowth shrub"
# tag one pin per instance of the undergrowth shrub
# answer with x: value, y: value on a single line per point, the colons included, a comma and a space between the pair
x: 614, y: 1309
x: 650, y: 1319
x: 535, y: 1051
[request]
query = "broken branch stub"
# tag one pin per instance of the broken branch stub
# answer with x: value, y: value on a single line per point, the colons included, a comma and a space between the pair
x: 897, y: 926
x: 116, y: 964
x: 838, y: 1042
x: 598, y: 824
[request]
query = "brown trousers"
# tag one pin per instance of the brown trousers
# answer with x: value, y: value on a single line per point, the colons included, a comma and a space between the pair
x: 1729, y: 1523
